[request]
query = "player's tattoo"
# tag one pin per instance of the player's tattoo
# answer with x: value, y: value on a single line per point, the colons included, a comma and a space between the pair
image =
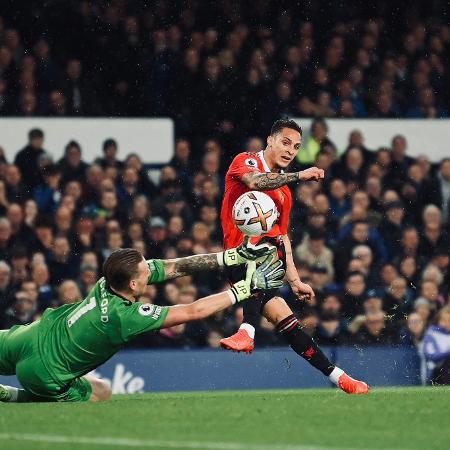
x: 185, y: 266
x: 268, y: 181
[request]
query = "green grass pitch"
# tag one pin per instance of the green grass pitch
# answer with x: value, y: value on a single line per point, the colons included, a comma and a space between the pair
x: 395, y: 418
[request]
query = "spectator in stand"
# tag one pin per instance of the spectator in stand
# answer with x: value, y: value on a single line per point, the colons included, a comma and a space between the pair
x: 72, y: 167
x: 62, y: 263
x: 314, y: 252
x: 15, y: 188
x: 133, y: 161
x: 6, y: 244
x: 21, y: 312
x: 397, y: 302
x: 426, y: 106
x: 317, y: 140
x: 437, y: 190
x: 47, y: 194
x: 392, y: 226
x: 110, y: 150
x: 433, y: 238
x: 6, y: 290
x: 68, y: 292
x: 374, y: 330
x: 413, y: 333
x: 354, y: 294
x: 332, y: 329
x: 436, y: 347
x: 360, y: 234
x: 400, y: 160
x: 41, y: 277
x: 27, y: 160
x: 340, y: 203
x: 76, y: 89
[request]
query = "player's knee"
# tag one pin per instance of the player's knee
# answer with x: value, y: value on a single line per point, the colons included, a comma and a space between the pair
x: 276, y: 309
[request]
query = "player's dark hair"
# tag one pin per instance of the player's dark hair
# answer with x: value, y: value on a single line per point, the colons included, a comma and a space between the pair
x: 285, y: 123
x: 120, y: 267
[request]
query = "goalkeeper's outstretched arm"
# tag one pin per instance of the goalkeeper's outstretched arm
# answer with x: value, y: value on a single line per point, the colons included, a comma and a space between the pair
x: 180, y: 267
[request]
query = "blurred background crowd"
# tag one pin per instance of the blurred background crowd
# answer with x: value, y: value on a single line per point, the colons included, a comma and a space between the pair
x: 372, y: 238
x: 378, y: 59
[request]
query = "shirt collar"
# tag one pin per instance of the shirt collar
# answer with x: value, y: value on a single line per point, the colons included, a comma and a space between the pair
x: 264, y: 162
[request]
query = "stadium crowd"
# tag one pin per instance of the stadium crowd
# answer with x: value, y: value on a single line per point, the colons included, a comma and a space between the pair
x: 371, y: 59
x: 372, y: 238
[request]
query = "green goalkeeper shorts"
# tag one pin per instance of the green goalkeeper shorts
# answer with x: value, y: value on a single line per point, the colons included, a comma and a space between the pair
x: 19, y: 355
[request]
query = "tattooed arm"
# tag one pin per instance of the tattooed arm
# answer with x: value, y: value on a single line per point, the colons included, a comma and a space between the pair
x: 180, y: 267
x: 273, y: 180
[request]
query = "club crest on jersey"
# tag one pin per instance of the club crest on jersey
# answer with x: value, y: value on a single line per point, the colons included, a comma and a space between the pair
x: 251, y: 162
x: 146, y: 310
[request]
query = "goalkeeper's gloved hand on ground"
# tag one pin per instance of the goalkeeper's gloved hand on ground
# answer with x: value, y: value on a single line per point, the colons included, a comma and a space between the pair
x: 245, y: 252
x: 269, y: 275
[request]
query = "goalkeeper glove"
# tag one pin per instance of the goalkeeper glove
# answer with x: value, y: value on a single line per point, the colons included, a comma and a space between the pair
x: 244, y: 253
x: 269, y: 275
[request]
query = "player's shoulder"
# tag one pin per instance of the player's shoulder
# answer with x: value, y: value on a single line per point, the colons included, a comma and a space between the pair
x: 248, y: 159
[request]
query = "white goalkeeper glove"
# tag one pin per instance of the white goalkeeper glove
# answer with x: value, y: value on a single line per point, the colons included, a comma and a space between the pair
x: 245, y: 252
x: 269, y: 275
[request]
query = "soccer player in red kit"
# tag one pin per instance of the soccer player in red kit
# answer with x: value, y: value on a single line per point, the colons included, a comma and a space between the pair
x: 264, y: 171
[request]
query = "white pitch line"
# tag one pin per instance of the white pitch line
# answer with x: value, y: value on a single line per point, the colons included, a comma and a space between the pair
x: 150, y: 443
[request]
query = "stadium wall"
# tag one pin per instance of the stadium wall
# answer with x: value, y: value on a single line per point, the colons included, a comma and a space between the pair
x: 152, y: 139
x: 276, y: 368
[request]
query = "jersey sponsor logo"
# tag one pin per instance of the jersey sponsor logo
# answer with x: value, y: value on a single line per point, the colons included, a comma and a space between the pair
x: 251, y: 162
x: 146, y: 310
x: 83, y: 310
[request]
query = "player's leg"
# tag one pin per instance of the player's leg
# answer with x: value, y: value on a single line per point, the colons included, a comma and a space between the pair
x: 243, y: 339
x: 280, y: 314
x: 15, y: 346
x: 87, y: 388
x: 17, y: 395
x: 100, y: 389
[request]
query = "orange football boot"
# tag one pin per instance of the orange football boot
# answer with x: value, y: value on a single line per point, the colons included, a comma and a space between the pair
x: 238, y: 342
x: 352, y: 386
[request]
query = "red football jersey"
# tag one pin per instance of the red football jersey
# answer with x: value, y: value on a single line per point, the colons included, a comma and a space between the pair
x: 235, y: 187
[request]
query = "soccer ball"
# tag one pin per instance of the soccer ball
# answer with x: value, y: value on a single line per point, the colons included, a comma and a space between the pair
x: 254, y: 213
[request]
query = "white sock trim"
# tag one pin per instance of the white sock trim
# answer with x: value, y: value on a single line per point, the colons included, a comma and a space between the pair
x: 335, y: 375
x: 250, y: 329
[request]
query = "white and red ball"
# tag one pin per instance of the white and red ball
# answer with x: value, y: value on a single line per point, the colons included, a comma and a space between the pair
x: 254, y: 213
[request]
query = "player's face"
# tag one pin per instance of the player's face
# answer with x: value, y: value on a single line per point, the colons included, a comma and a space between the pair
x: 284, y: 147
x: 138, y: 284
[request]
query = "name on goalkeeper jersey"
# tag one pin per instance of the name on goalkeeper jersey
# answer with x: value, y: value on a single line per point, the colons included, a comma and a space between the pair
x: 104, y: 302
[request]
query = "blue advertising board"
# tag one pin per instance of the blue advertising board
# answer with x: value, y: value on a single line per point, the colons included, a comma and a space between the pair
x: 134, y: 371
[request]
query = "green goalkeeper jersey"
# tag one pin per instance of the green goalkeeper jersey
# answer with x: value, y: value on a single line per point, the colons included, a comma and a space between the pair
x: 75, y: 339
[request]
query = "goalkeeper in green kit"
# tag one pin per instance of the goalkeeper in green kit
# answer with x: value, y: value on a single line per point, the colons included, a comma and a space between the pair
x: 52, y: 356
